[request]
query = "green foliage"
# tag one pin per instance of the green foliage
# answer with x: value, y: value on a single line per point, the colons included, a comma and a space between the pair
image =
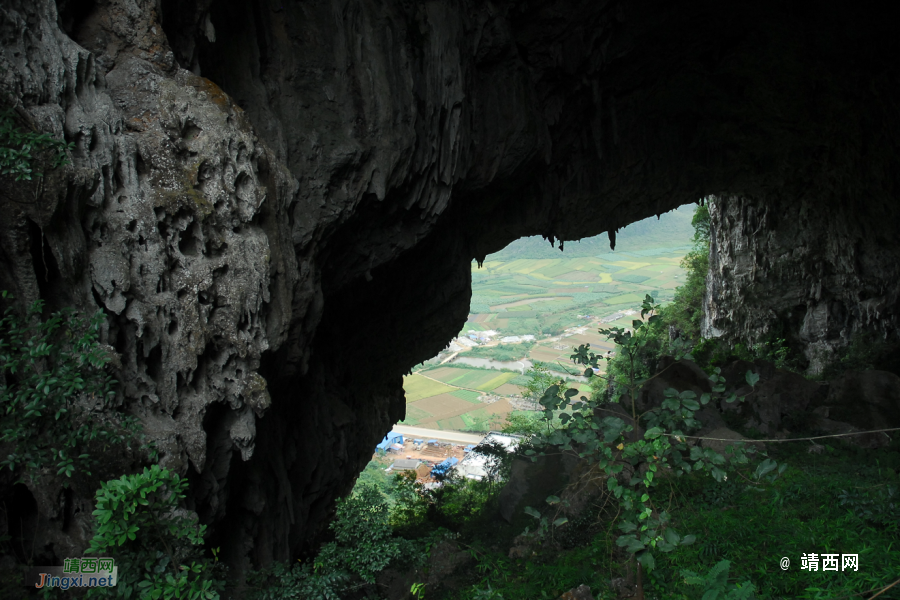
x: 546, y: 522
x: 460, y: 504
x: 686, y: 311
x: 52, y: 376
x: 539, y: 379
x: 633, y: 465
x: 715, y: 584
x: 772, y: 348
x: 363, y: 545
x: 879, y: 506
x: 20, y: 149
x: 478, y: 421
x: 866, y: 350
x: 753, y: 525
x: 524, y: 423
x: 374, y: 475
x: 364, y: 542
x: 418, y: 591
x: 299, y: 581
x: 154, y: 544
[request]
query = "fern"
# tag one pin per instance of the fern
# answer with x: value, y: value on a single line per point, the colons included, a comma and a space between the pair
x: 715, y: 584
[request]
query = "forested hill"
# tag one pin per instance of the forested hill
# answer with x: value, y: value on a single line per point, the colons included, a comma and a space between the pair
x: 672, y: 229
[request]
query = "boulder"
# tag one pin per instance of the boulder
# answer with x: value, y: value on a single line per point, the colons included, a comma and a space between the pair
x: 582, y: 592
x: 865, y: 399
x: 682, y: 375
x: 530, y: 483
x: 781, y: 399
x: 860, y: 401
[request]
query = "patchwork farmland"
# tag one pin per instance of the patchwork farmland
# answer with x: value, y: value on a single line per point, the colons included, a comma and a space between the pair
x: 451, y: 398
x: 561, y: 300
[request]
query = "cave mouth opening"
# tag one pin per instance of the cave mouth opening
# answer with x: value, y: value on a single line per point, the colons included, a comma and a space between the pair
x: 21, y: 522
x: 532, y: 304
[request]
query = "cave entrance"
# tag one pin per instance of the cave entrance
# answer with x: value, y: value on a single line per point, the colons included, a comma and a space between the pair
x: 533, y: 305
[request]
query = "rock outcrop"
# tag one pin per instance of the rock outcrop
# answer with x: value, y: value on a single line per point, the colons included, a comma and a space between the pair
x: 814, y: 272
x: 261, y: 191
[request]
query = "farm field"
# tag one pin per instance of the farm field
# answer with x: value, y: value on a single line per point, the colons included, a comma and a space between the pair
x: 547, y: 298
x: 560, y: 298
x: 448, y: 398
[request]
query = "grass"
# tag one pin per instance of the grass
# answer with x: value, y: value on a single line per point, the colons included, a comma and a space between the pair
x: 836, y: 502
x: 467, y: 395
x: 415, y: 415
x: 496, y: 381
x: 418, y: 387
x: 822, y: 504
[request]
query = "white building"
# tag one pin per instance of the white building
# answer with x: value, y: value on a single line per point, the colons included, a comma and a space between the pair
x: 476, y: 466
x: 510, y: 339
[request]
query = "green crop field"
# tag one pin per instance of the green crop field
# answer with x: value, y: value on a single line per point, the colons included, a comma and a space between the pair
x: 418, y: 387
x: 587, y: 282
x: 496, y: 381
x: 415, y: 415
x: 467, y: 395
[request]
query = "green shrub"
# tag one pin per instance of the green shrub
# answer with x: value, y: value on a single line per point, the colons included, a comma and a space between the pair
x: 363, y: 545
x: 20, y: 149
x: 154, y: 545
x: 51, y: 373
x: 634, y: 464
x: 524, y: 423
x: 715, y: 584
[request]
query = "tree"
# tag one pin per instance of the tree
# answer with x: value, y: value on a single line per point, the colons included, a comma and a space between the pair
x: 154, y: 545
x: 364, y: 545
x: 52, y: 374
x: 539, y: 379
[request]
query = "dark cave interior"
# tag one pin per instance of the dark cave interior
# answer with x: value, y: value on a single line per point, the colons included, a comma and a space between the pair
x: 405, y: 139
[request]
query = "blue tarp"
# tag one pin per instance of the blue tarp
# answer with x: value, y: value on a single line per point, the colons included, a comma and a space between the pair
x: 418, y: 441
x: 469, y: 448
x: 442, y: 468
x: 432, y: 442
x: 389, y: 440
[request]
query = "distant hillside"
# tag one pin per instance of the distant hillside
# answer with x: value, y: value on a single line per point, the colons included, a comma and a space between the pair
x: 671, y: 230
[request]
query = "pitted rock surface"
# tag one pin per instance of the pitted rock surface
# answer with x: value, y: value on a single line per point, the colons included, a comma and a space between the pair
x: 261, y: 191
x: 816, y: 272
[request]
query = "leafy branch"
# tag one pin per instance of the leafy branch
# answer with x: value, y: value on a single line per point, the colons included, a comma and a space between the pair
x: 52, y: 376
x: 632, y: 460
x: 19, y: 149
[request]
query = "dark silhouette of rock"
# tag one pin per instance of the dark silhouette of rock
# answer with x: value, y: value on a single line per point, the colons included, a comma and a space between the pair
x: 260, y: 191
x: 861, y: 401
x: 531, y: 482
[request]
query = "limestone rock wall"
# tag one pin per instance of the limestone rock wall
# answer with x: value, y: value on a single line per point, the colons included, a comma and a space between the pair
x: 277, y: 203
x: 814, y: 272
